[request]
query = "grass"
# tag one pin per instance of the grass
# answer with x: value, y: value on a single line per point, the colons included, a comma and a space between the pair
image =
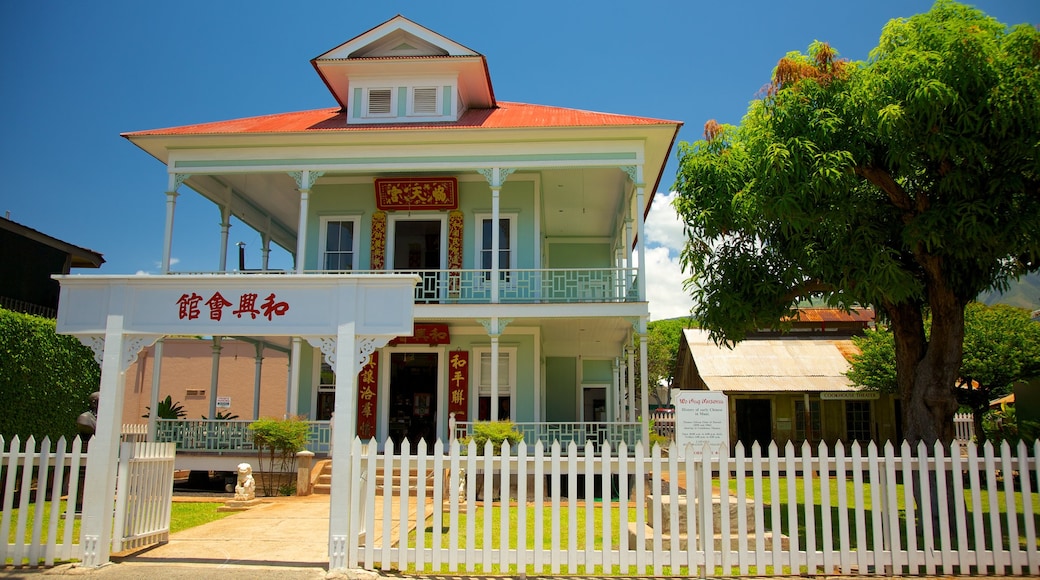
x: 183, y: 515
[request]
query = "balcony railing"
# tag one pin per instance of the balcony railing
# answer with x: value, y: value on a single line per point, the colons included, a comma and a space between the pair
x: 579, y: 433
x: 518, y: 286
x: 202, y: 436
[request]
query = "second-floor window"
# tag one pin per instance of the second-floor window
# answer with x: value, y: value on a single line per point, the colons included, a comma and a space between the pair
x: 506, y: 245
x: 506, y: 383
x: 339, y: 243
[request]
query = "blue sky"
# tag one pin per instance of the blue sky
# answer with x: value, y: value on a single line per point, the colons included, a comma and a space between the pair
x: 77, y: 74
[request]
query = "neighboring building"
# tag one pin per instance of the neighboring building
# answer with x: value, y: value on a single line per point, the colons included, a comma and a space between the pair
x: 790, y: 388
x: 531, y: 320
x: 28, y: 259
x: 187, y: 378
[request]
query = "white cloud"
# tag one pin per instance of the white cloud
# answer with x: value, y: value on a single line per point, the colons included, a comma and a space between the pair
x: 664, y: 276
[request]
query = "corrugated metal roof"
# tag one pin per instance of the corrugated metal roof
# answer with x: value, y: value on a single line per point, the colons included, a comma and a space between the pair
x: 505, y: 116
x: 770, y: 365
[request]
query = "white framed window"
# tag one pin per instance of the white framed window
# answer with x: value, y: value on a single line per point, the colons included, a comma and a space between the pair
x: 815, y: 422
x: 506, y: 244
x: 506, y: 383
x: 424, y: 102
x: 379, y: 102
x: 339, y: 243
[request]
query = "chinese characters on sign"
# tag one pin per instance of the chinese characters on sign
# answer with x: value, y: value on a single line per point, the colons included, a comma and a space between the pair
x: 366, y: 403
x: 189, y: 306
x: 458, y: 384
x: 417, y: 193
x: 431, y: 333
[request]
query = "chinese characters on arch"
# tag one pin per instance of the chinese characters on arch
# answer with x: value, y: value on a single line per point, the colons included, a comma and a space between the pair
x: 189, y: 306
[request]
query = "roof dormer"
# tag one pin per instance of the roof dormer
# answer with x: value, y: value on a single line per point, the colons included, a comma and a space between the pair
x: 401, y: 72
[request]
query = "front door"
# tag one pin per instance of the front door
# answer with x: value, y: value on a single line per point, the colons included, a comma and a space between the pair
x: 418, y: 248
x: 413, y: 397
x: 754, y: 422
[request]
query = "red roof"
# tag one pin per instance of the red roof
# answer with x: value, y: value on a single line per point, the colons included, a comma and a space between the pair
x: 507, y: 115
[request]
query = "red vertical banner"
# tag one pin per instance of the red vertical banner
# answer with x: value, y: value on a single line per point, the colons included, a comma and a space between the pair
x: 366, y: 403
x: 458, y: 384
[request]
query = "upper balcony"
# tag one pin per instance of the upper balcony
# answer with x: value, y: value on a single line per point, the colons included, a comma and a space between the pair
x: 515, y: 286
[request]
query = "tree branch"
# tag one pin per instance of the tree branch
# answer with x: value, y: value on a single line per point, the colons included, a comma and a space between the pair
x: 881, y: 178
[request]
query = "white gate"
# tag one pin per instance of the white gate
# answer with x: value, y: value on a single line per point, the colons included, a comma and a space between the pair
x: 144, y: 492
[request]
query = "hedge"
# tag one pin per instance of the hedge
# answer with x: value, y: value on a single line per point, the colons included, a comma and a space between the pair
x: 45, y: 378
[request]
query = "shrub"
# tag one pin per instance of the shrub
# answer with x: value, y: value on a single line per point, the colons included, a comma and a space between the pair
x: 494, y: 431
x: 277, y: 442
x: 167, y: 409
x: 45, y: 378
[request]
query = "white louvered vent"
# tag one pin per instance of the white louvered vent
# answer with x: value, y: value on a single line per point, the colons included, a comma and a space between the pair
x: 379, y: 102
x: 424, y: 101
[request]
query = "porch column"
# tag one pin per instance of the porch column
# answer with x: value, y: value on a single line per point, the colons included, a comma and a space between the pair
x: 256, y: 379
x: 214, y: 376
x: 265, y: 249
x: 496, y: 177
x: 631, y: 385
x: 175, y: 180
x: 614, y: 396
x: 494, y: 327
x: 225, y: 226
x: 644, y: 404
x: 346, y: 368
x: 153, y: 399
x: 628, y: 257
x: 304, y: 181
x: 293, y: 392
x: 637, y: 180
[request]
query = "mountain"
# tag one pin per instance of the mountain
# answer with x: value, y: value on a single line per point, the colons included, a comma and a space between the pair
x: 1025, y: 293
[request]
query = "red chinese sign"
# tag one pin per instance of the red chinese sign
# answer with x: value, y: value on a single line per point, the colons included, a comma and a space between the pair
x: 425, y: 333
x: 188, y: 306
x: 415, y: 193
x: 367, y: 394
x: 458, y: 384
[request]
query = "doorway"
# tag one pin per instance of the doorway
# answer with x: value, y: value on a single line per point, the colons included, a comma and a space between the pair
x: 418, y: 247
x: 413, y: 397
x: 754, y: 422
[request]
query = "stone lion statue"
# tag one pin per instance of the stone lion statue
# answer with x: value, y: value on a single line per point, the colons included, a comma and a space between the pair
x: 245, y: 489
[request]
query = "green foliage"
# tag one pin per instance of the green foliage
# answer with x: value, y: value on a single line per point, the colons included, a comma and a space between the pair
x: 277, y: 442
x: 167, y: 409
x: 494, y: 431
x: 662, y: 351
x: 45, y: 378
x: 874, y: 367
x: 1003, y: 425
x: 909, y: 182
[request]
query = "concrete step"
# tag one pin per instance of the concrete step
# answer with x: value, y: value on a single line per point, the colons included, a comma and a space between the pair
x: 322, y: 483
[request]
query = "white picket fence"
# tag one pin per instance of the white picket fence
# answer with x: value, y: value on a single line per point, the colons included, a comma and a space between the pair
x: 964, y: 426
x: 38, y: 541
x: 590, y: 511
x: 42, y: 483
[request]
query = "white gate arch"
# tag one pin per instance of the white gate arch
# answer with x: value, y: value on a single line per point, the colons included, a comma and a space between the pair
x: 347, y: 315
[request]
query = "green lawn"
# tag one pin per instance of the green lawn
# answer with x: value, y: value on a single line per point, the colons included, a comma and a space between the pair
x: 183, y: 515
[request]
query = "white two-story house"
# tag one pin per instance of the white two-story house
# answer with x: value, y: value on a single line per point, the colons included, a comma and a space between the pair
x: 524, y: 224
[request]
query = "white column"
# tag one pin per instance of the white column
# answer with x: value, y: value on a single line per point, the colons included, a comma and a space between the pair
x: 100, y: 485
x: 496, y: 189
x: 628, y: 256
x: 214, y: 376
x: 171, y: 206
x: 494, y: 372
x: 256, y: 379
x: 614, y: 394
x: 342, y: 438
x: 631, y: 386
x: 304, y: 180
x: 644, y: 404
x: 153, y: 406
x: 225, y: 226
x: 265, y: 249
x: 640, y: 233
x: 292, y: 394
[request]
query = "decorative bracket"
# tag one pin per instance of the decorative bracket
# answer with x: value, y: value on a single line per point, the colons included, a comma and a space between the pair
x: 491, y: 329
x: 633, y: 173
x: 132, y: 347
x: 366, y: 345
x: 312, y: 176
x: 489, y: 175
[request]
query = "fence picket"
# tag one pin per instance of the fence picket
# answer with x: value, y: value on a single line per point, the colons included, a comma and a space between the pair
x: 978, y: 532
x: 420, y: 506
x: 606, y: 506
x: 927, y: 522
x: 810, y: 503
x: 554, y: 492
x: 471, y: 505
x: 404, y: 485
x: 624, y: 563
x: 1015, y: 551
x: 640, y: 479
x: 388, y: 500
x: 945, y: 551
x: 37, y: 526
x: 19, y: 553
x: 590, y: 507
x: 824, y: 473
x: 725, y: 527
x: 521, y: 502
x: 503, y: 519
x: 438, y: 504
x: 994, y: 509
x: 371, y: 483
x: 740, y: 474
x: 655, y: 506
x: 539, y: 506
x: 774, y: 496
x: 11, y: 464
x: 876, y: 506
x: 487, y: 499
x: 794, y: 556
x: 913, y: 559
x: 760, y: 525
x: 55, y: 511
x: 572, y: 507
x: 1032, y: 560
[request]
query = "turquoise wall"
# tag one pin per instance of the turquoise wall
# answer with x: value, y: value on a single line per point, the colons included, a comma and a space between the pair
x: 579, y: 256
x: 308, y: 379
x: 474, y: 197
x: 597, y: 372
x: 561, y: 378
